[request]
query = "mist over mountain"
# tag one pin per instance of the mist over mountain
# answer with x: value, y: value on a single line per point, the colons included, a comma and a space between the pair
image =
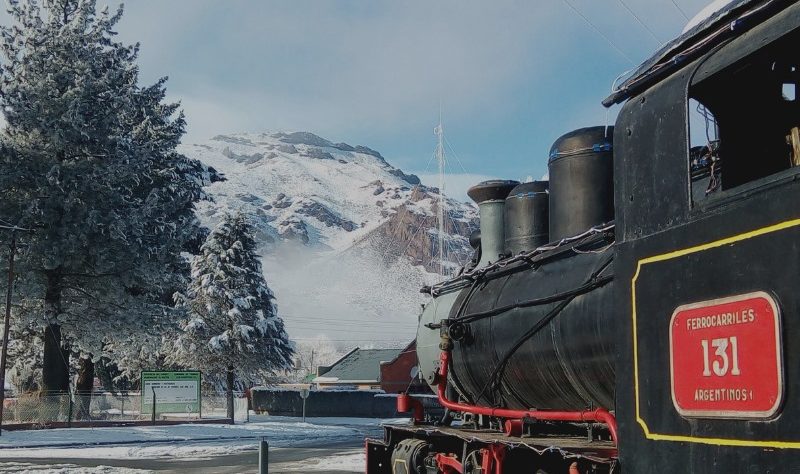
x: 346, y: 238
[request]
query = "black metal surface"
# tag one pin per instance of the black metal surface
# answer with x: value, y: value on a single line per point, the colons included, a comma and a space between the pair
x: 567, y: 365
x: 581, y: 181
x: 379, y: 455
x: 526, y: 217
x: 655, y: 217
x: 658, y: 120
x: 491, y: 190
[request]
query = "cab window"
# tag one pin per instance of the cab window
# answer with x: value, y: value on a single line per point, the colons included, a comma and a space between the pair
x: 744, y: 120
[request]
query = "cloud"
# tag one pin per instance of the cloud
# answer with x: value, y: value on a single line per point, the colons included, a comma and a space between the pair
x: 339, y: 68
x: 208, y: 116
x: 511, y: 75
x: 455, y: 185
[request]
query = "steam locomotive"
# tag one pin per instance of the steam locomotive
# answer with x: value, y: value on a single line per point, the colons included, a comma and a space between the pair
x: 639, y: 311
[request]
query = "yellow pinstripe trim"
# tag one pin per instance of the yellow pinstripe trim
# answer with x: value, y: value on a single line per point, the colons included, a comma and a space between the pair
x: 680, y: 253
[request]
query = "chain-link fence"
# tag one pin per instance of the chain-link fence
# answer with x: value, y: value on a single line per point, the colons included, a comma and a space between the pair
x: 65, y: 408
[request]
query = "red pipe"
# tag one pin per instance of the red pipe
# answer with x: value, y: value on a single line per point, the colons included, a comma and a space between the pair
x: 493, y: 457
x: 448, y: 464
x: 600, y: 415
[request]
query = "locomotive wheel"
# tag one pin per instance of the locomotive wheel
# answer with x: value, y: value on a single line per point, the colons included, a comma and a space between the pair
x: 472, y: 463
x: 408, y: 457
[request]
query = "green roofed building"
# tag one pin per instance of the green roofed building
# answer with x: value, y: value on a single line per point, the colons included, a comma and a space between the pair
x: 358, y: 369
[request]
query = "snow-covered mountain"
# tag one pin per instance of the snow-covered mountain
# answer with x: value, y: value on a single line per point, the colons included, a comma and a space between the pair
x: 348, y: 239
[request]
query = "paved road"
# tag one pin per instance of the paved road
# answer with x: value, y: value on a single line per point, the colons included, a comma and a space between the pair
x: 281, y: 460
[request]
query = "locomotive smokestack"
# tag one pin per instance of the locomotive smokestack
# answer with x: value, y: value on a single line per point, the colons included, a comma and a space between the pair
x: 490, y: 197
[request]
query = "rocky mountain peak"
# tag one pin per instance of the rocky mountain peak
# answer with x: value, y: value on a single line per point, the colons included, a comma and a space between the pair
x: 331, y: 203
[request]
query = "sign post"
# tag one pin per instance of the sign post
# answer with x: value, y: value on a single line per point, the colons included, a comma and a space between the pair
x: 170, y: 392
x: 304, y: 395
x: 263, y: 456
x: 154, y: 405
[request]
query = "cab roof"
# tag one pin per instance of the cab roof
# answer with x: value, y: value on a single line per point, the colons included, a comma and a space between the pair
x: 729, y: 21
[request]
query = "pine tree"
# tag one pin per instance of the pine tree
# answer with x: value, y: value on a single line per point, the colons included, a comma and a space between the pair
x: 231, y: 329
x: 88, y: 161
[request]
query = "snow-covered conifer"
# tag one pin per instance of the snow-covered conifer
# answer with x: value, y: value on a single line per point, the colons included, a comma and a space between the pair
x: 231, y: 328
x: 88, y: 161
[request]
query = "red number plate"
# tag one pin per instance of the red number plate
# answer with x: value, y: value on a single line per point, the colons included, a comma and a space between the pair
x: 726, y: 358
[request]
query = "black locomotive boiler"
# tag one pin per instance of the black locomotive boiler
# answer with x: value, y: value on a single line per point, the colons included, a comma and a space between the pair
x: 639, y: 311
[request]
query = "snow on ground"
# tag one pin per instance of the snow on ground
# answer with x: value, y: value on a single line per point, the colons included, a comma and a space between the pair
x: 186, y: 450
x: 353, y: 460
x: 28, y: 468
x: 183, y: 441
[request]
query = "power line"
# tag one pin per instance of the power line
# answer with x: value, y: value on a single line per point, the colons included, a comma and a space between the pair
x: 597, y: 30
x: 357, y: 333
x: 685, y: 16
x: 413, y: 236
x: 345, y: 322
x: 401, y: 215
x: 339, y: 320
x: 453, y: 151
x: 353, y: 332
x: 393, y: 341
x: 340, y: 328
x: 346, y: 326
x: 641, y: 22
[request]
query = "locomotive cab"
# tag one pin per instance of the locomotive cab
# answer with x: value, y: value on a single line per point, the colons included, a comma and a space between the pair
x: 703, y: 246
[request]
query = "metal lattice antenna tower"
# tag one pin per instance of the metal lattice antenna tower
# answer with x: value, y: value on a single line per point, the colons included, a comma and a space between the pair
x: 440, y: 159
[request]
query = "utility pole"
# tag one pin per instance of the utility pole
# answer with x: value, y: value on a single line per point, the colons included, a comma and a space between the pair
x: 440, y: 159
x: 6, y: 324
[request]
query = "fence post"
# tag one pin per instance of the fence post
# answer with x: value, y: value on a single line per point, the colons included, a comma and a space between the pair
x: 69, y: 414
x: 263, y: 456
x: 154, y: 405
x: 4, y: 353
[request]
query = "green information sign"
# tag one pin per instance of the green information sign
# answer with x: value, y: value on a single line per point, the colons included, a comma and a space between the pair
x: 175, y: 392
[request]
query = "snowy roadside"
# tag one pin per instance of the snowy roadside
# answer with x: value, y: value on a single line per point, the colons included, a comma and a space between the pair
x: 349, y: 461
x: 346, y: 461
x: 31, y: 468
x: 182, y: 441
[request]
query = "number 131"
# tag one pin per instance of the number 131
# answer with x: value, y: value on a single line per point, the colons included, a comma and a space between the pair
x: 721, y: 364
